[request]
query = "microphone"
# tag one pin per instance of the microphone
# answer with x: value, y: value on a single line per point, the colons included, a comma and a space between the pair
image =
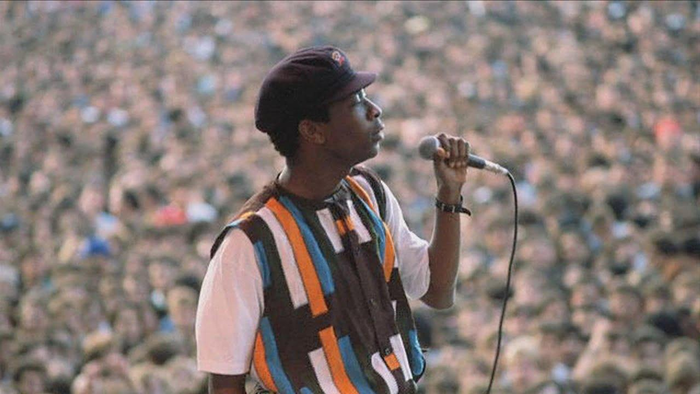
x: 430, y: 144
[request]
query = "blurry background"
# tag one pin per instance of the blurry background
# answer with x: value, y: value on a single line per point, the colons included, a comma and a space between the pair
x: 127, y: 140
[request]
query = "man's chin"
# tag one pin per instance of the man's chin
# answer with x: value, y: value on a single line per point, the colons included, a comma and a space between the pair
x: 371, y: 155
x: 375, y: 150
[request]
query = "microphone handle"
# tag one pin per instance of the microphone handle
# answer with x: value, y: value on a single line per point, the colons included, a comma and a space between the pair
x: 476, y: 162
x: 483, y: 164
x: 430, y: 144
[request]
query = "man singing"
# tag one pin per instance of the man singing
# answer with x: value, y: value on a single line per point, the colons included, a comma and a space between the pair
x: 307, y: 289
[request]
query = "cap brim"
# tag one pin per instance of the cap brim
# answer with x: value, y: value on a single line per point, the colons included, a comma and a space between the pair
x: 361, y: 80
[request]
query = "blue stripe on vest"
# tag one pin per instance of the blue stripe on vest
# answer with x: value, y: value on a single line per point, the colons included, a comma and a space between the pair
x: 322, y: 269
x: 416, y: 355
x: 235, y: 223
x: 262, y: 263
x: 378, y: 228
x: 352, y: 366
x: 305, y: 390
x: 274, y: 363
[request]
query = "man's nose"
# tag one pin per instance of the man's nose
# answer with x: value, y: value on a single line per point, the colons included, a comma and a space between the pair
x: 374, y: 110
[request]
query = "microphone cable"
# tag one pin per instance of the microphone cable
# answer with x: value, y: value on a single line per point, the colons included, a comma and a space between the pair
x: 506, y: 295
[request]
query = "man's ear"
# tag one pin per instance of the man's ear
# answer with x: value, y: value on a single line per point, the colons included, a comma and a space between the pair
x: 311, y: 132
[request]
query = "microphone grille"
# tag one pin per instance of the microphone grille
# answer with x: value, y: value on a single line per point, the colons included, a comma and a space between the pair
x: 428, y: 146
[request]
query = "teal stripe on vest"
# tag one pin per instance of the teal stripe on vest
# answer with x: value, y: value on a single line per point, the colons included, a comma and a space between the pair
x: 415, y: 354
x: 262, y: 263
x: 274, y: 363
x: 352, y: 366
x: 320, y: 263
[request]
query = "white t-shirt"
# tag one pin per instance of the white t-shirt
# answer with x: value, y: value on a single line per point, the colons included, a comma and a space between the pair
x: 231, y: 299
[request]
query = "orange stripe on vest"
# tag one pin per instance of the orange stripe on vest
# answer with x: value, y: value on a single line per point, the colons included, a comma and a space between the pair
x: 303, y: 259
x: 335, y: 361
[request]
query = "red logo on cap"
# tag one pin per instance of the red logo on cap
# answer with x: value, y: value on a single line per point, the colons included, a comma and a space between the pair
x: 338, y: 58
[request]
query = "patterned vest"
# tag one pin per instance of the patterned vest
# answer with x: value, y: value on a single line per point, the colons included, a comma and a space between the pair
x: 336, y: 318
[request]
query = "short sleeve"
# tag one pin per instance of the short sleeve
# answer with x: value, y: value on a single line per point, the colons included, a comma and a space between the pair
x: 229, y: 309
x: 411, y: 250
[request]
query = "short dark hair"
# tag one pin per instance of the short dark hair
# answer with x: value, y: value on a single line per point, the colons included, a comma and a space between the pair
x: 162, y: 347
x: 600, y: 387
x: 27, y: 365
x: 285, y: 137
x: 629, y: 289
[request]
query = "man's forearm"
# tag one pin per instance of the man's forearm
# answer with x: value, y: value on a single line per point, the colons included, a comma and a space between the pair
x: 443, y: 253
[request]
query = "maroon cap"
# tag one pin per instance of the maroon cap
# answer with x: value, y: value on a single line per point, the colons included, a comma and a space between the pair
x: 306, y: 79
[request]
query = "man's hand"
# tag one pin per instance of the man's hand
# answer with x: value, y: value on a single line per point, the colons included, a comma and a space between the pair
x: 450, y: 166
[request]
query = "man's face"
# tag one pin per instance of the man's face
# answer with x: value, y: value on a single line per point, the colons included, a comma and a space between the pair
x: 624, y: 306
x: 585, y: 318
x: 182, y: 306
x: 650, y: 353
x: 583, y: 294
x: 354, y: 131
x: 550, y: 347
x: 31, y: 382
x: 574, y: 248
x: 160, y: 274
x: 524, y: 372
x: 571, y: 348
x: 128, y: 325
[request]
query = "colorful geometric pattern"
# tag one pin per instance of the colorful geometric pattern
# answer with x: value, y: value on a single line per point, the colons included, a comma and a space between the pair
x: 336, y: 318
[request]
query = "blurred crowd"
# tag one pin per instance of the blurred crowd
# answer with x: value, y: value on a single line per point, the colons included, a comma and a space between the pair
x: 127, y: 141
